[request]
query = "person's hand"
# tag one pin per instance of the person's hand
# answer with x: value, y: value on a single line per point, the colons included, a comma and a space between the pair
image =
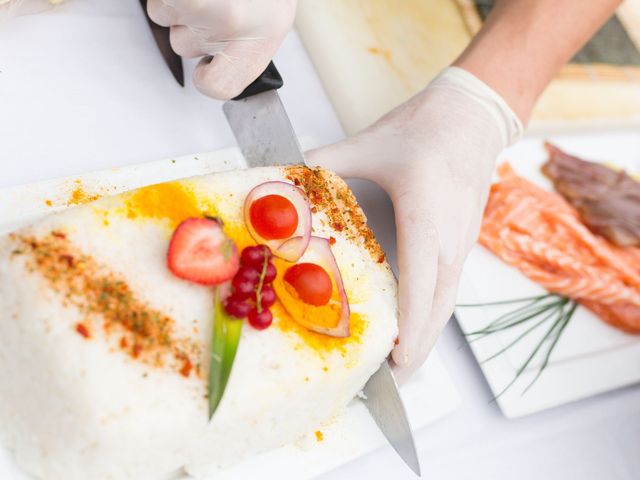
x: 242, y: 36
x: 435, y: 156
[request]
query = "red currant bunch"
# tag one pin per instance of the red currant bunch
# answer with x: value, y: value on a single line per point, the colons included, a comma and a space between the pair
x: 252, y: 293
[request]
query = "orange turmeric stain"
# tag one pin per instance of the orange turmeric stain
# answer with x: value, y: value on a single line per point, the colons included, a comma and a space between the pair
x: 80, y: 196
x: 48, y: 203
x: 172, y: 202
x: 105, y: 216
x: 319, y: 436
x: 316, y: 341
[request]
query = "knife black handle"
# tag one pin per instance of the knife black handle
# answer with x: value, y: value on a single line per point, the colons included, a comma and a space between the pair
x: 270, y: 79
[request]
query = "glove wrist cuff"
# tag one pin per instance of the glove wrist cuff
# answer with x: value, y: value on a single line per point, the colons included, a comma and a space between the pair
x: 459, y: 79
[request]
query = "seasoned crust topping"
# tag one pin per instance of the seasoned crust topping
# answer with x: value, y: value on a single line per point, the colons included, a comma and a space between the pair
x: 107, y: 302
x: 329, y: 194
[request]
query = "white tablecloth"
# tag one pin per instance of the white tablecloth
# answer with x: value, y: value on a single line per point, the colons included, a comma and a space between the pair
x: 84, y: 88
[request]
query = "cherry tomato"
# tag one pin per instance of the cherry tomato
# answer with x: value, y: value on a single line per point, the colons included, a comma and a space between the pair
x: 311, y: 282
x: 273, y: 217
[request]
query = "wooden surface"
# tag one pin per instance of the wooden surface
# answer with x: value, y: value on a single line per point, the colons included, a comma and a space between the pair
x: 374, y: 54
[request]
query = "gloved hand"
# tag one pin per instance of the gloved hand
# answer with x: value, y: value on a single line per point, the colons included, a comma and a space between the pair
x: 435, y: 156
x: 241, y: 35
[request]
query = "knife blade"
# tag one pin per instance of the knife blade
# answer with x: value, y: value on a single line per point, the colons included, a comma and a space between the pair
x: 266, y: 137
x: 263, y: 130
x: 261, y: 125
x: 161, y: 36
x: 382, y: 399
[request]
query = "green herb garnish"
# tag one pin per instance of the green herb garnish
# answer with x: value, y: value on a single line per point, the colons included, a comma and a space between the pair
x: 224, y: 345
x: 551, y: 310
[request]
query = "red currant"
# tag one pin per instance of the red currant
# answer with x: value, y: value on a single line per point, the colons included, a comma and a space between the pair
x: 249, y: 274
x: 261, y: 320
x: 267, y: 296
x: 237, y: 307
x: 242, y: 288
x: 270, y: 273
x: 255, y: 256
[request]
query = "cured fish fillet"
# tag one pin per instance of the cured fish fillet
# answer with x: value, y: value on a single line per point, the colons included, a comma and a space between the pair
x: 608, y: 200
x: 541, y: 234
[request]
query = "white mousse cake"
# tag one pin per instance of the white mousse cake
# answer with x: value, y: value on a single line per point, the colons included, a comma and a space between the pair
x: 105, y: 352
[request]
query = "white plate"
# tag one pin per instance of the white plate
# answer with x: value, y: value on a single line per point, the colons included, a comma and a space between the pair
x: 591, y: 357
x: 427, y: 397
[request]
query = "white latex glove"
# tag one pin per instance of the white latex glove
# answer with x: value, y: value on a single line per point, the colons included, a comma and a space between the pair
x: 435, y: 156
x: 241, y: 35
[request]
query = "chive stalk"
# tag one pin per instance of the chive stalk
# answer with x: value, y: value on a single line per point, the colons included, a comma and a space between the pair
x: 549, y: 309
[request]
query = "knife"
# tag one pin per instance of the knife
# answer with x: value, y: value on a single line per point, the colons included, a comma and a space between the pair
x: 266, y: 137
x: 161, y: 36
x: 382, y: 398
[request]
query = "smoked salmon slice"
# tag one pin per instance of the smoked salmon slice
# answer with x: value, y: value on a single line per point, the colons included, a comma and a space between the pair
x: 540, y: 233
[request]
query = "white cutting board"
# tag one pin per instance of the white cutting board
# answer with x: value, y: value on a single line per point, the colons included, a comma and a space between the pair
x: 591, y: 356
x: 372, y: 55
x: 429, y: 395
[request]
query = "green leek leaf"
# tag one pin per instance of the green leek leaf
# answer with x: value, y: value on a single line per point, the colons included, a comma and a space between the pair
x: 224, y: 345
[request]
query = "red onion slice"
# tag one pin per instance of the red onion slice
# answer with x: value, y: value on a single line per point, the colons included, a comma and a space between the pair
x: 281, y: 247
x: 319, y: 249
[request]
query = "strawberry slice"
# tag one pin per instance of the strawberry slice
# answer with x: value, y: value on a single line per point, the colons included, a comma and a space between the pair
x: 200, y: 252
